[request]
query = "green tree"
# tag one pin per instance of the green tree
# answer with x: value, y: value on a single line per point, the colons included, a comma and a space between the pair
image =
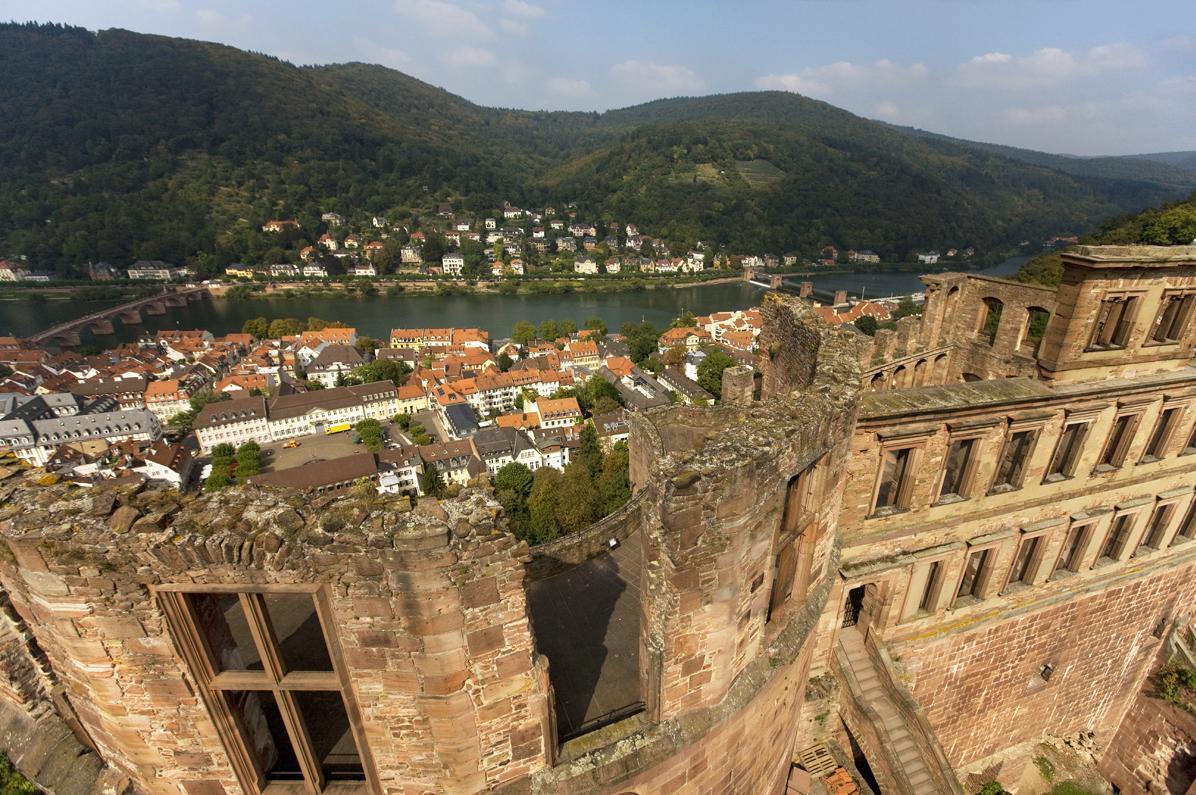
x: 566, y: 328
x: 549, y: 330
x: 710, y: 371
x: 596, y: 324
x: 366, y: 344
x: 523, y: 333
x: 577, y: 498
x: 258, y: 327
x: 588, y: 451
x: 371, y: 433
x: 541, y: 506
x: 284, y: 327
x: 249, y: 460
x: 675, y: 356
x: 867, y: 324
x: 614, y: 486
x: 512, y: 485
x: 184, y: 420
x: 905, y: 308
x: 391, y: 370
x: 316, y: 323
x: 430, y: 481
x: 640, y: 339
x: 219, y: 477
x: 685, y: 320
x: 505, y: 363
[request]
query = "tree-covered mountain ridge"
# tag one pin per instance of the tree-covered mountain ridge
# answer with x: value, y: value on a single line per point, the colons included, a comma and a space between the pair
x: 1173, y: 224
x: 120, y: 146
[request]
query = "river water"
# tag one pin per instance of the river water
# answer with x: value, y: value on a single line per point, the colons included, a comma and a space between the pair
x: 376, y: 316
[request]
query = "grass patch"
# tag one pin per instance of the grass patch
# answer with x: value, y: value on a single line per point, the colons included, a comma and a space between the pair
x: 1046, y: 768
x: 1070, y: 788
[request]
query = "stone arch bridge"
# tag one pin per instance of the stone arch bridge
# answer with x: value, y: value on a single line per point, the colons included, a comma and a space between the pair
x: 101, y: 323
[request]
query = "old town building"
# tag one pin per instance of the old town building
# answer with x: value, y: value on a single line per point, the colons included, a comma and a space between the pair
x: 928, y: 551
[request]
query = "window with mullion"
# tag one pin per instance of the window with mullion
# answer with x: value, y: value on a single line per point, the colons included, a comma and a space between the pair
x: 266, y: 670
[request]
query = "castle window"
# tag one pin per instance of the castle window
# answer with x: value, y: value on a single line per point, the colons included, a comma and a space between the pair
x: 896, y: 478
x: 925, y: 589
x: 1161, y: 436
x: 1033, y: 330
x: 1011, y: 470
x: 1160, y: 518
x: 791, y: 570
x: 959, y: 470
x: 1071, y: 554
x: 1175, y: 314
x: 268, y: 675
x: 1114, y: 322
x: 1120, y: 438
x: 1025, y: 563
x: 990, y: 319
x: 1187, y: 528
x: 975, y: 574
x: 1117, y: 539
x: 1067, y: 451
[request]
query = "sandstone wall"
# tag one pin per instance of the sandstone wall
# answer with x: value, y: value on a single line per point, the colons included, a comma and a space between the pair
x: 1154, y: 749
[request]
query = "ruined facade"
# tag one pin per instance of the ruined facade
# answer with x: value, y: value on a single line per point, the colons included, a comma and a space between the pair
x: 975, y: 526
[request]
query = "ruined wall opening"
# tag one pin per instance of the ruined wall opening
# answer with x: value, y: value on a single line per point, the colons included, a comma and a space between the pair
x: 1033, y: 330
x: 795, y: 542
x: 990, y: 319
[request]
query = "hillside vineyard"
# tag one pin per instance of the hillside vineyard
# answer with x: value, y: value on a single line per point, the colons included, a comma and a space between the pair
x: 938, y: 546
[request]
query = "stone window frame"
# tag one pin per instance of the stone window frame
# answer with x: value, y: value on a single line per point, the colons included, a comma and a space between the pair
x: 795, y: 539
x: 1188, y: 523
x: 1187, y: 310
x: 1036, y: 570
x: 1127, y: 317
x: 1091, y: 524
x: 1015, y: 426
x: 1086, y: 417
x: 1181, y: 408
x: 1117, y: 449
x: 916, y: 444
x: 931, y: 593
x: 1172, y: 503
x: 1132, y: 513
x: 192, y: 647
x: 975, y: 434
x: 982, y: 588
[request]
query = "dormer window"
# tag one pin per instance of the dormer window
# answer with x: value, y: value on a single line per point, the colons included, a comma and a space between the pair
x: 1114, y: 322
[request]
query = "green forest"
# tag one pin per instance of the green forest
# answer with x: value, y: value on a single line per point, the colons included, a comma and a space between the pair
x: 120, y: 146
x: 1173, y: 224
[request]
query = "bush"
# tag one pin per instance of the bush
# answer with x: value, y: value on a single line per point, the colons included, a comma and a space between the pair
x: 12, y: 782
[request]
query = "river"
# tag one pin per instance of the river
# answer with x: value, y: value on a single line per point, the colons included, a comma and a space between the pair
x: 375, y: 316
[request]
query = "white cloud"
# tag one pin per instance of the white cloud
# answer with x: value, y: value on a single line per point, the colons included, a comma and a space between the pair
x: 1047, y: 115
x: 514, y: 26
x: 567, y: 87
x: 386, y: 56
x: 521, y: 8
x: 823, y: 81
x: 213, y: 21
x: 442, y: 18
x: 654, y: 78
x: 888, y: 110
x: 1179, y: 44
x: 470, y: 56
x: 1046, y: 67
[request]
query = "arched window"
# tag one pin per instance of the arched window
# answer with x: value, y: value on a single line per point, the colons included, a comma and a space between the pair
x: 878, y: 382
x: 1033, y: 330
x: 899, y: 376
x: 970, y: 377
x: 920, y: 373
x: 940, y: 369
x: 990, y: 319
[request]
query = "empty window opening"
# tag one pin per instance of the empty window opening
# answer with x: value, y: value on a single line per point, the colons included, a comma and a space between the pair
x: 1034, y: 330
x: 1026, y: 562
x: 896, y: 478
x: 974, y: 574
x: 990, y: 319
x: 853, y: 606
x: 1187, y: 528
x: 1072, y: 551
x: 957, y: 473
x: 969, y: 378
x: 1159, y: 520
x: 1118, y: 535
x: 877, y: 384
x: 1114, y: 321
x: 1067, y: 451
x: 1161, y: 435
x: 933, y: 576
x: 1175, y: 313
x: 1011, y: 470
x: 1120, y: 438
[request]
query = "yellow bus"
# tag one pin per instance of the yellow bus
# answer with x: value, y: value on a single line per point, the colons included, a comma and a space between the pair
x: 338, y: 428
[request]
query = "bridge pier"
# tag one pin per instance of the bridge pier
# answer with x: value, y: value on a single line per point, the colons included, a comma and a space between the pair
x: 67, y: 339
x: 154, y: 308
x: 101, y: 328
x: 806, y: 290
x: 175, y: 300
x: 131, y: 317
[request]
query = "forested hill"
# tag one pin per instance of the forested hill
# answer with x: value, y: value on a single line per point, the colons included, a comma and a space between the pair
x: 119, y: 146
x: 1173, y: 224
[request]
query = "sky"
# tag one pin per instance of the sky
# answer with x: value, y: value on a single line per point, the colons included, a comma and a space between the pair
x: 1080, y: 77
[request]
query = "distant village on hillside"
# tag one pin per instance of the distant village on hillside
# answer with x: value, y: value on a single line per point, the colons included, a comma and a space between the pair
x: 510, y: 242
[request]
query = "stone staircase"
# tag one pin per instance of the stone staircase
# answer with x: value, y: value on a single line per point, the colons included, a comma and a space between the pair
x: 902, y: 752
